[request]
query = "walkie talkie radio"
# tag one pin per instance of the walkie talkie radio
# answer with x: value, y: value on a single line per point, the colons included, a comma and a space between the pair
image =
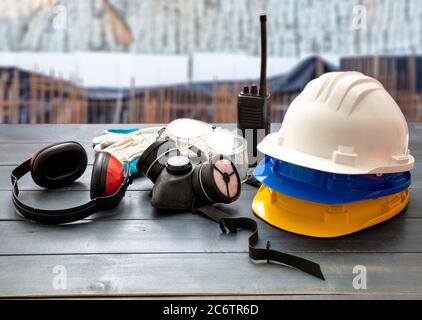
x: 253, y: 105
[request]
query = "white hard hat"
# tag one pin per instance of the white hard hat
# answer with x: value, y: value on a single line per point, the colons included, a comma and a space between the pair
x: 343, y: 122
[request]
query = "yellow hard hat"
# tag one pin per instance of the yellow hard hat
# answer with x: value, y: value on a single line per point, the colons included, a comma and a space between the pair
x: 325, y: 220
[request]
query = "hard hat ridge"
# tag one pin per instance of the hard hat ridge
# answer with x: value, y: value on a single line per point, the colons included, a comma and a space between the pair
x: 343, y: 91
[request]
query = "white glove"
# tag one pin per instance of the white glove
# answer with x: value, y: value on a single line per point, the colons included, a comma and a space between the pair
x: 129, y: 148
x: 111, y: 136
x: 127, y: 145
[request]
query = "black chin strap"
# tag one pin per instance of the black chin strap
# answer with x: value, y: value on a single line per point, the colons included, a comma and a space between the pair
x: 252, y: 181
x: 259, y: 254
x: 65, y: 215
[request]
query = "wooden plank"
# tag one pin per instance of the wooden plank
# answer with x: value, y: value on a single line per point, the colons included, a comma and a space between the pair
x: 55, y: 133
x: 416, y: 150
x: 66, y: 132
x: 207, y: 275
x: 198, y: 235
x: 417, y: 175
x: 155, y: 241
x: 128, y: 209
x: 127, y: 236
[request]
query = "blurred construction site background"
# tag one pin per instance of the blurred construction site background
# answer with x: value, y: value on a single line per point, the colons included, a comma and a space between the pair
x: 143, y: 61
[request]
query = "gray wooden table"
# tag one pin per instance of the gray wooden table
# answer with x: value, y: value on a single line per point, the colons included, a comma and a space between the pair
x: 136, y: 251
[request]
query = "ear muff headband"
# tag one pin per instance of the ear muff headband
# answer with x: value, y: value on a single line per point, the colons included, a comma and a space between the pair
x: 70, y: 214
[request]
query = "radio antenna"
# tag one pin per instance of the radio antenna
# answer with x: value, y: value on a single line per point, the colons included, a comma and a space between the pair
x: 263, y: 82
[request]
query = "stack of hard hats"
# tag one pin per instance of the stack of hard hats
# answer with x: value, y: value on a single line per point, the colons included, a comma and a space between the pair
x: 340, y: 162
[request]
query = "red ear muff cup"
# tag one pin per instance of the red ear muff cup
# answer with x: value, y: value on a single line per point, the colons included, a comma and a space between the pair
x: 107, y: 175
x: 217, y: 182
x: 114, y: 176
x: 154, y: 158
x: 58, y: 165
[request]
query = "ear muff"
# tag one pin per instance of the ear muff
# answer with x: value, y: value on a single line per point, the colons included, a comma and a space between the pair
x: 58, y: 165
x: 107, y: 175
x: 217, y: 181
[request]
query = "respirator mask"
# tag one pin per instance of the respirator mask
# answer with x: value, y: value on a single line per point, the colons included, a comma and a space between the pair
x: 180, y: 184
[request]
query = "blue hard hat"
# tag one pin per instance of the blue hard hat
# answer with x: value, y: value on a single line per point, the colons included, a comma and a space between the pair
x: 324, y: 187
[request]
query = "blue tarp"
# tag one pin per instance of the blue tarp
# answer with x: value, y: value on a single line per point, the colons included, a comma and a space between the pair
x: 299, y: 76
x: 293, y: 81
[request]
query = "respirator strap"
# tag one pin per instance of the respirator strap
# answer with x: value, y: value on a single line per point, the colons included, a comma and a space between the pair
x: 252, y: 181
x: 259, y: 254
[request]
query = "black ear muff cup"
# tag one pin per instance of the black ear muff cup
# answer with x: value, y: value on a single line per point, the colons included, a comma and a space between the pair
x: 58, y: 165
x: 217, y: 181
x: 154, y: 158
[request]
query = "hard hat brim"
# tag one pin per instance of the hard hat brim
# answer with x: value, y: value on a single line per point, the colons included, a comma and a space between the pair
x: 321, y: 220
x: 317, y: 186
x: 269, y: 146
